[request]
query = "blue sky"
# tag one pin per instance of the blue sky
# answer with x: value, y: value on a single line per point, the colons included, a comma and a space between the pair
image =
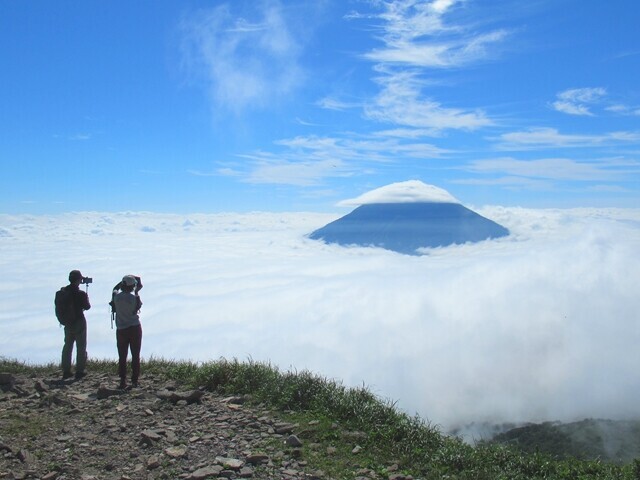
x: 181, y: 106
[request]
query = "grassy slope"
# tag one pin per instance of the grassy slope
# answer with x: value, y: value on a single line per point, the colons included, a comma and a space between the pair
x: 345, y: 417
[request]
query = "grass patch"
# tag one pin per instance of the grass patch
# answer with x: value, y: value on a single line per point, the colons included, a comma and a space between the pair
x: 349, y: 431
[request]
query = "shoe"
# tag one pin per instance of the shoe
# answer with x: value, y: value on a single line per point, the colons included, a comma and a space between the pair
x: 134, y: 384
x: 66, y: 375
x: 80, y: 375
x: 123, y: 385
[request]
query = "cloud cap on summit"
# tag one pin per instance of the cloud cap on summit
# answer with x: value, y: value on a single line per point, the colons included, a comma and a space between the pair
x: 411, y: 191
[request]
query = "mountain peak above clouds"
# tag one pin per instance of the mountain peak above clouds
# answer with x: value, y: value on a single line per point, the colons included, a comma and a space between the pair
x: 407, y: 216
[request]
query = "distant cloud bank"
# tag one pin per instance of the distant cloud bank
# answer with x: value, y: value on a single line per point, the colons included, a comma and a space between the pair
x: 540, y: 325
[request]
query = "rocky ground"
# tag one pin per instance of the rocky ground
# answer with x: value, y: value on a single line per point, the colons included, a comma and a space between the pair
x: 87, y: 429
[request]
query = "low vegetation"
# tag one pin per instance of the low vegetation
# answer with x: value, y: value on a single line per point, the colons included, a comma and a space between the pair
x: 350, y: 420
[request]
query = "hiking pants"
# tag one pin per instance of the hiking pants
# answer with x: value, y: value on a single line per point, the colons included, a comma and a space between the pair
x: 129, y: 338
x: 75, y: 334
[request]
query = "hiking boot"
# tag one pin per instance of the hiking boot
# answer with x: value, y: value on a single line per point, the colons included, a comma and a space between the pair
x: 80, y: 375
x: 135, y: 384
x: 67, y: 375
x: 123, y: 385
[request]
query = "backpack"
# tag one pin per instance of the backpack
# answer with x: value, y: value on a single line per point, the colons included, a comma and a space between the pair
x: 65, y: 308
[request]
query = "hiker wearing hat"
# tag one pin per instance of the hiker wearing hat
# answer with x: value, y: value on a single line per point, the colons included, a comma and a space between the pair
x: 127, y: 305
x: 75, y: 331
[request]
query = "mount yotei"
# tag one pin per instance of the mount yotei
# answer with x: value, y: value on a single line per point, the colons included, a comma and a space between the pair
x: 407, y: 216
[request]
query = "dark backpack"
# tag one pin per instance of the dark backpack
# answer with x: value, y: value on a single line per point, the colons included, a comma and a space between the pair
x: 65, y: 308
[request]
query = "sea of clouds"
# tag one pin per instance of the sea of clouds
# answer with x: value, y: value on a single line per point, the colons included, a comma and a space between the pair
x: 540, y: 325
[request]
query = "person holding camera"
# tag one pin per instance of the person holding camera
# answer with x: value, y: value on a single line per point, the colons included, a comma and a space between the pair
x: 75, y: 332
x: 127, y: 304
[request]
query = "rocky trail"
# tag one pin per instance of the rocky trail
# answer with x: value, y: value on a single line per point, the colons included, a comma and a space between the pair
x: 87, y: 429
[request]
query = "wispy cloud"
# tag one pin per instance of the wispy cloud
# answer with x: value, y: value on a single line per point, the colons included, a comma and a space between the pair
x: 299, y: 173
x: 545, y: 137
x: 81, y: 137
x: 577, y: 101
x: 416, y: 38
x: 401, y: 102
x: 623, y: 109
x: 437, y: 55
x: 308, y: 160
x: 608, y: 188
x: 244, y: 62
x: 507, y: 182
x: 199, y: 173
x: 415, y: 34
x: 557, y: 168
x: 76, y: 137
x: 332, y: 103
x: 630, y: 53
x: 410, y: 132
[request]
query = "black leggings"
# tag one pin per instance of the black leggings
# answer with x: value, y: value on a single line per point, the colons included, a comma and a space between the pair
x: 129, y: 338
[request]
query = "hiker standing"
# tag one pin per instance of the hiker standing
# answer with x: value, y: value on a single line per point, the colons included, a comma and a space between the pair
x: 127, y: 305
x: 75, y: 330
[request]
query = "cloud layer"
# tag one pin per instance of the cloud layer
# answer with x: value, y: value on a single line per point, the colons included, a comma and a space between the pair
x: 541, y: 325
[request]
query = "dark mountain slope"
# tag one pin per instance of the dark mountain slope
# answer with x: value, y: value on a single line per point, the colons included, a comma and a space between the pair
x: 405, y: 227
x: 589, y: 439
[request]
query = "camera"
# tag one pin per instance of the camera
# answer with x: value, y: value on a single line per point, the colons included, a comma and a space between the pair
x: 86, y: 280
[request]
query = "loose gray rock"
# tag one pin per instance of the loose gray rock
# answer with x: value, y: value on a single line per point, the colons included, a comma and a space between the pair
x: 88, y: 429
x: 230, y: 463
x: 205, y: 472
x: 257, y: 459
x: 293, y: 441
x: 7, y: 381
x: 193, y: 396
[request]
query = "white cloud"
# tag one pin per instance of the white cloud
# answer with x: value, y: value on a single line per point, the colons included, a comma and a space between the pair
x: 308, y: 160
x: 541, y: 325
x: 508, y: 182
x: 544, y: 137
x: 576, y: 101
x: 557, y: 168
x: 81, y: 137
x: 571, y: 108
x: 296, y: 173
x: 244, y: 62
x: 411, y: 191
x: 409, y: 133
x: 331, y: 103
x: 623, y: 109
x: 400, y: 102
x: 415, y: 37
x: 198, y: 173
x: 415, y: 34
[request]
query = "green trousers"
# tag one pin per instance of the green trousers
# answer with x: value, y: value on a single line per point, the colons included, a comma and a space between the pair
x: 75, y: 334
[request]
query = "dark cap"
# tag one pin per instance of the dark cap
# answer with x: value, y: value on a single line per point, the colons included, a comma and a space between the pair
x: 75, y: 275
